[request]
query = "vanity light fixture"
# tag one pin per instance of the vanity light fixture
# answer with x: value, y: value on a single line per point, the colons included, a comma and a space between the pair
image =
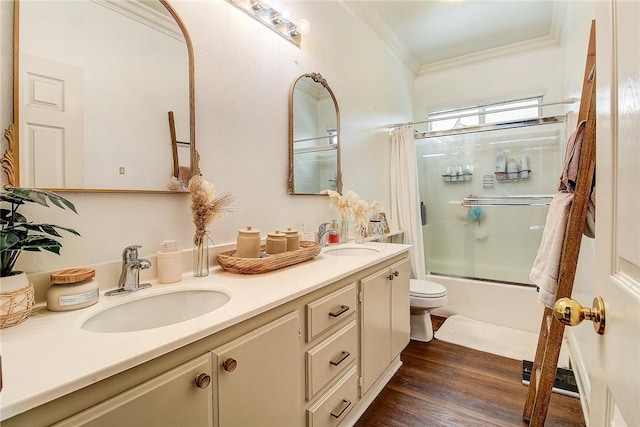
x: 274, y: 20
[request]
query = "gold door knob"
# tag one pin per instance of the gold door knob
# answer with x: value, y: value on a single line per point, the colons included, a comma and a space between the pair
x: 230, y: 365
x: 571, y: 313
x: 202, y: 380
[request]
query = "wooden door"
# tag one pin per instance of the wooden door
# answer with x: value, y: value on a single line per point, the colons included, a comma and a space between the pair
x: 51, y: 124
x: 258, y: 377
x: 615, y: 377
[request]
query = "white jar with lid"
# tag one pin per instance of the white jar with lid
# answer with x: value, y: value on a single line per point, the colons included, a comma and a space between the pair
x: 276, y: 243
x: 72, y: 289
x: 248, y: 243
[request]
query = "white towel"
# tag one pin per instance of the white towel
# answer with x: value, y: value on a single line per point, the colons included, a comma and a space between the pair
x: 546, y: 267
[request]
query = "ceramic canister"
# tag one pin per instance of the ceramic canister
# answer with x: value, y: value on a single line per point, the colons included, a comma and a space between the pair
x: 248, y: 243
x: 293, y: 239
x: 276, y: 243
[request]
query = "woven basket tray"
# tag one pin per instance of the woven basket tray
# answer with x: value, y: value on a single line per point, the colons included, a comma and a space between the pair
x: 16, y: 306
x: 266, y: 263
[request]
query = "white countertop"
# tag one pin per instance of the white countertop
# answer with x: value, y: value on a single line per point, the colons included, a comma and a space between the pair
x: 50, y: 355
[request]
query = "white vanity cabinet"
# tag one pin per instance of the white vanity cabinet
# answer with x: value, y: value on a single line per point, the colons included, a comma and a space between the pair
x: 384, y: 319
x: 257, y: 382
x: 331, y: 378
x: 316, y: 360
x: 180, y: 397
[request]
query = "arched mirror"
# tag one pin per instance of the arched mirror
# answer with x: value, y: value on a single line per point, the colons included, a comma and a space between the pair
x: 103, y: 97
x: 314, y: 137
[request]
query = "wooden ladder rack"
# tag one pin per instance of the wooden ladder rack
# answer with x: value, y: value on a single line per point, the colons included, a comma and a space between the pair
x: 552, y: 331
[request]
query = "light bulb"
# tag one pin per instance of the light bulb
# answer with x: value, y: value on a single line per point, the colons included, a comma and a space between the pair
x: 303, y: 26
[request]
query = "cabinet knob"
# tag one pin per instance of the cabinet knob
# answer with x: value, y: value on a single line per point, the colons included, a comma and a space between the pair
x: 394, y: 274
x: 230, y: 365
x: 202, y: 380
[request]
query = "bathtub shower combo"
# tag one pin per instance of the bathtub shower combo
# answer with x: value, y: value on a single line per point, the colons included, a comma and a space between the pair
x: 485, y: 192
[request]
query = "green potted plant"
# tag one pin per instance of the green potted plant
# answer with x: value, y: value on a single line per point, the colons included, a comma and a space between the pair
x: 17, y: 235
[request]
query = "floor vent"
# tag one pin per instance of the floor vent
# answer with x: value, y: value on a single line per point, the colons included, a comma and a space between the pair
x: 565, y: 382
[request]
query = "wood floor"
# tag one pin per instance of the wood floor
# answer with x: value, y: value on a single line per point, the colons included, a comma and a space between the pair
x: 443, y: 384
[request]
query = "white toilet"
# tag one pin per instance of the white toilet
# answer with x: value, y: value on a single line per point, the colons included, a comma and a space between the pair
x: 425, y: 296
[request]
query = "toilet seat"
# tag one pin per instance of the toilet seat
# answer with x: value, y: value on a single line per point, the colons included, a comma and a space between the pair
x: 426, y: 289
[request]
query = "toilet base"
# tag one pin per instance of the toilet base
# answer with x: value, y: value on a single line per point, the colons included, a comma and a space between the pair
x: 421, y: 326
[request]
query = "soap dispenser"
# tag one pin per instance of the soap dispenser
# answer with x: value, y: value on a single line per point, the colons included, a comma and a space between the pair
x: 169, y: 262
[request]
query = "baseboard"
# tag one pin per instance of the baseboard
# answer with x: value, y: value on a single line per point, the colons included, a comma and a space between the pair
x: 581, y: 373
x: 359, y: 409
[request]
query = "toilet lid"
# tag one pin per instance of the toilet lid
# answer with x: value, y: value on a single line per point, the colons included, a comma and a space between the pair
x: 426, y: 289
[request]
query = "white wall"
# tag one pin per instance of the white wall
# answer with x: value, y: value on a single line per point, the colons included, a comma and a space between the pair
x: 243, y: 73
x: 530, y: 73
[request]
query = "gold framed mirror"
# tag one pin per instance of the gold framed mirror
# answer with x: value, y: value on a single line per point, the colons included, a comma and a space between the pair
x: 314, y: 137
x: 103, y: 97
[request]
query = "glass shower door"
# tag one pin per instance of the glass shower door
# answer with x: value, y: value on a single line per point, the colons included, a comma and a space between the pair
x: 484, y: 218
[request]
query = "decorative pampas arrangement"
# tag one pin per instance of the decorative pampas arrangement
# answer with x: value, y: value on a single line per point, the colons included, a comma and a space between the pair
x: 350, y: 205
x: 205, y: 207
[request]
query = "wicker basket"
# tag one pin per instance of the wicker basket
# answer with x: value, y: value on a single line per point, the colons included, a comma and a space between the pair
x: 266, y: 263
x: 16, y: 306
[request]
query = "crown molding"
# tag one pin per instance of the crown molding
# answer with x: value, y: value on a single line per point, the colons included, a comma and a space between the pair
x: 372, y: 18
x: 488, y: 54
x: 140, y: 12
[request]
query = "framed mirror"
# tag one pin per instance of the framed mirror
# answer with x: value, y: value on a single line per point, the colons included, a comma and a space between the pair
x: 314, y: 137
x: 103, y: 97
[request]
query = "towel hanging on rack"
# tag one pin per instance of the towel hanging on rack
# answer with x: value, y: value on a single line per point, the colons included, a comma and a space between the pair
x: 569, y: 175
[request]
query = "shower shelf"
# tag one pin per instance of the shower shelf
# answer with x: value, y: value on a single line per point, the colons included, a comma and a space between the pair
x: 513, y: 176
x: 457, y: 178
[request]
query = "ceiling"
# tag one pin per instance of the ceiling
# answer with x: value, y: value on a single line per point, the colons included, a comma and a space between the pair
x: 436, y: 34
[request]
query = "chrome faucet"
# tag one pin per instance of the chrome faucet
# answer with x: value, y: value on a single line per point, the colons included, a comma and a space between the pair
x: 130, y: 275
x: 323, y: 233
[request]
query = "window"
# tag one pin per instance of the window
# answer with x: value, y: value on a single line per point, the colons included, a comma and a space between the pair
x: 520, y: 109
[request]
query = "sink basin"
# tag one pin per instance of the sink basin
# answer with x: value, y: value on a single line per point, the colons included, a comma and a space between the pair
x: 156, y: 311
x: 351, y: 251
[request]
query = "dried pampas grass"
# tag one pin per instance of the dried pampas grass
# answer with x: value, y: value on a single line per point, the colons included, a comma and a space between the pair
x: 205, y: 205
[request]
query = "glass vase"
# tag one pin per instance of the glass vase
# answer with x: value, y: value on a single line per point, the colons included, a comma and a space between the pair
x: 344, y: 229
x: 201, y: 254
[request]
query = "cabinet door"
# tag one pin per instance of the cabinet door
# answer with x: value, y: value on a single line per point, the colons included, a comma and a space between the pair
x: 400, y: 311
x: 174, y: 398
x: 258, y: 377
x: 375, y: 327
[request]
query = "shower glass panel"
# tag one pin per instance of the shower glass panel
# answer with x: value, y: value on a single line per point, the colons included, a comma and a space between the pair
x: 493, y: 241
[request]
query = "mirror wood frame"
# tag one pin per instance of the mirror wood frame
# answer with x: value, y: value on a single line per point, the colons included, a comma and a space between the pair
x: 316, y: 77
x: 11, y: 158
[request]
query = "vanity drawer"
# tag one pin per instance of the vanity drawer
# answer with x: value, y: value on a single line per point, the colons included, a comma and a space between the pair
x: 328, y: 359
x: 330, y: 310
x: 336, y: 403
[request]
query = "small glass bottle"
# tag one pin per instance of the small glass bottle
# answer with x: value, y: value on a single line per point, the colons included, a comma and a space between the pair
x: 334, y: 235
